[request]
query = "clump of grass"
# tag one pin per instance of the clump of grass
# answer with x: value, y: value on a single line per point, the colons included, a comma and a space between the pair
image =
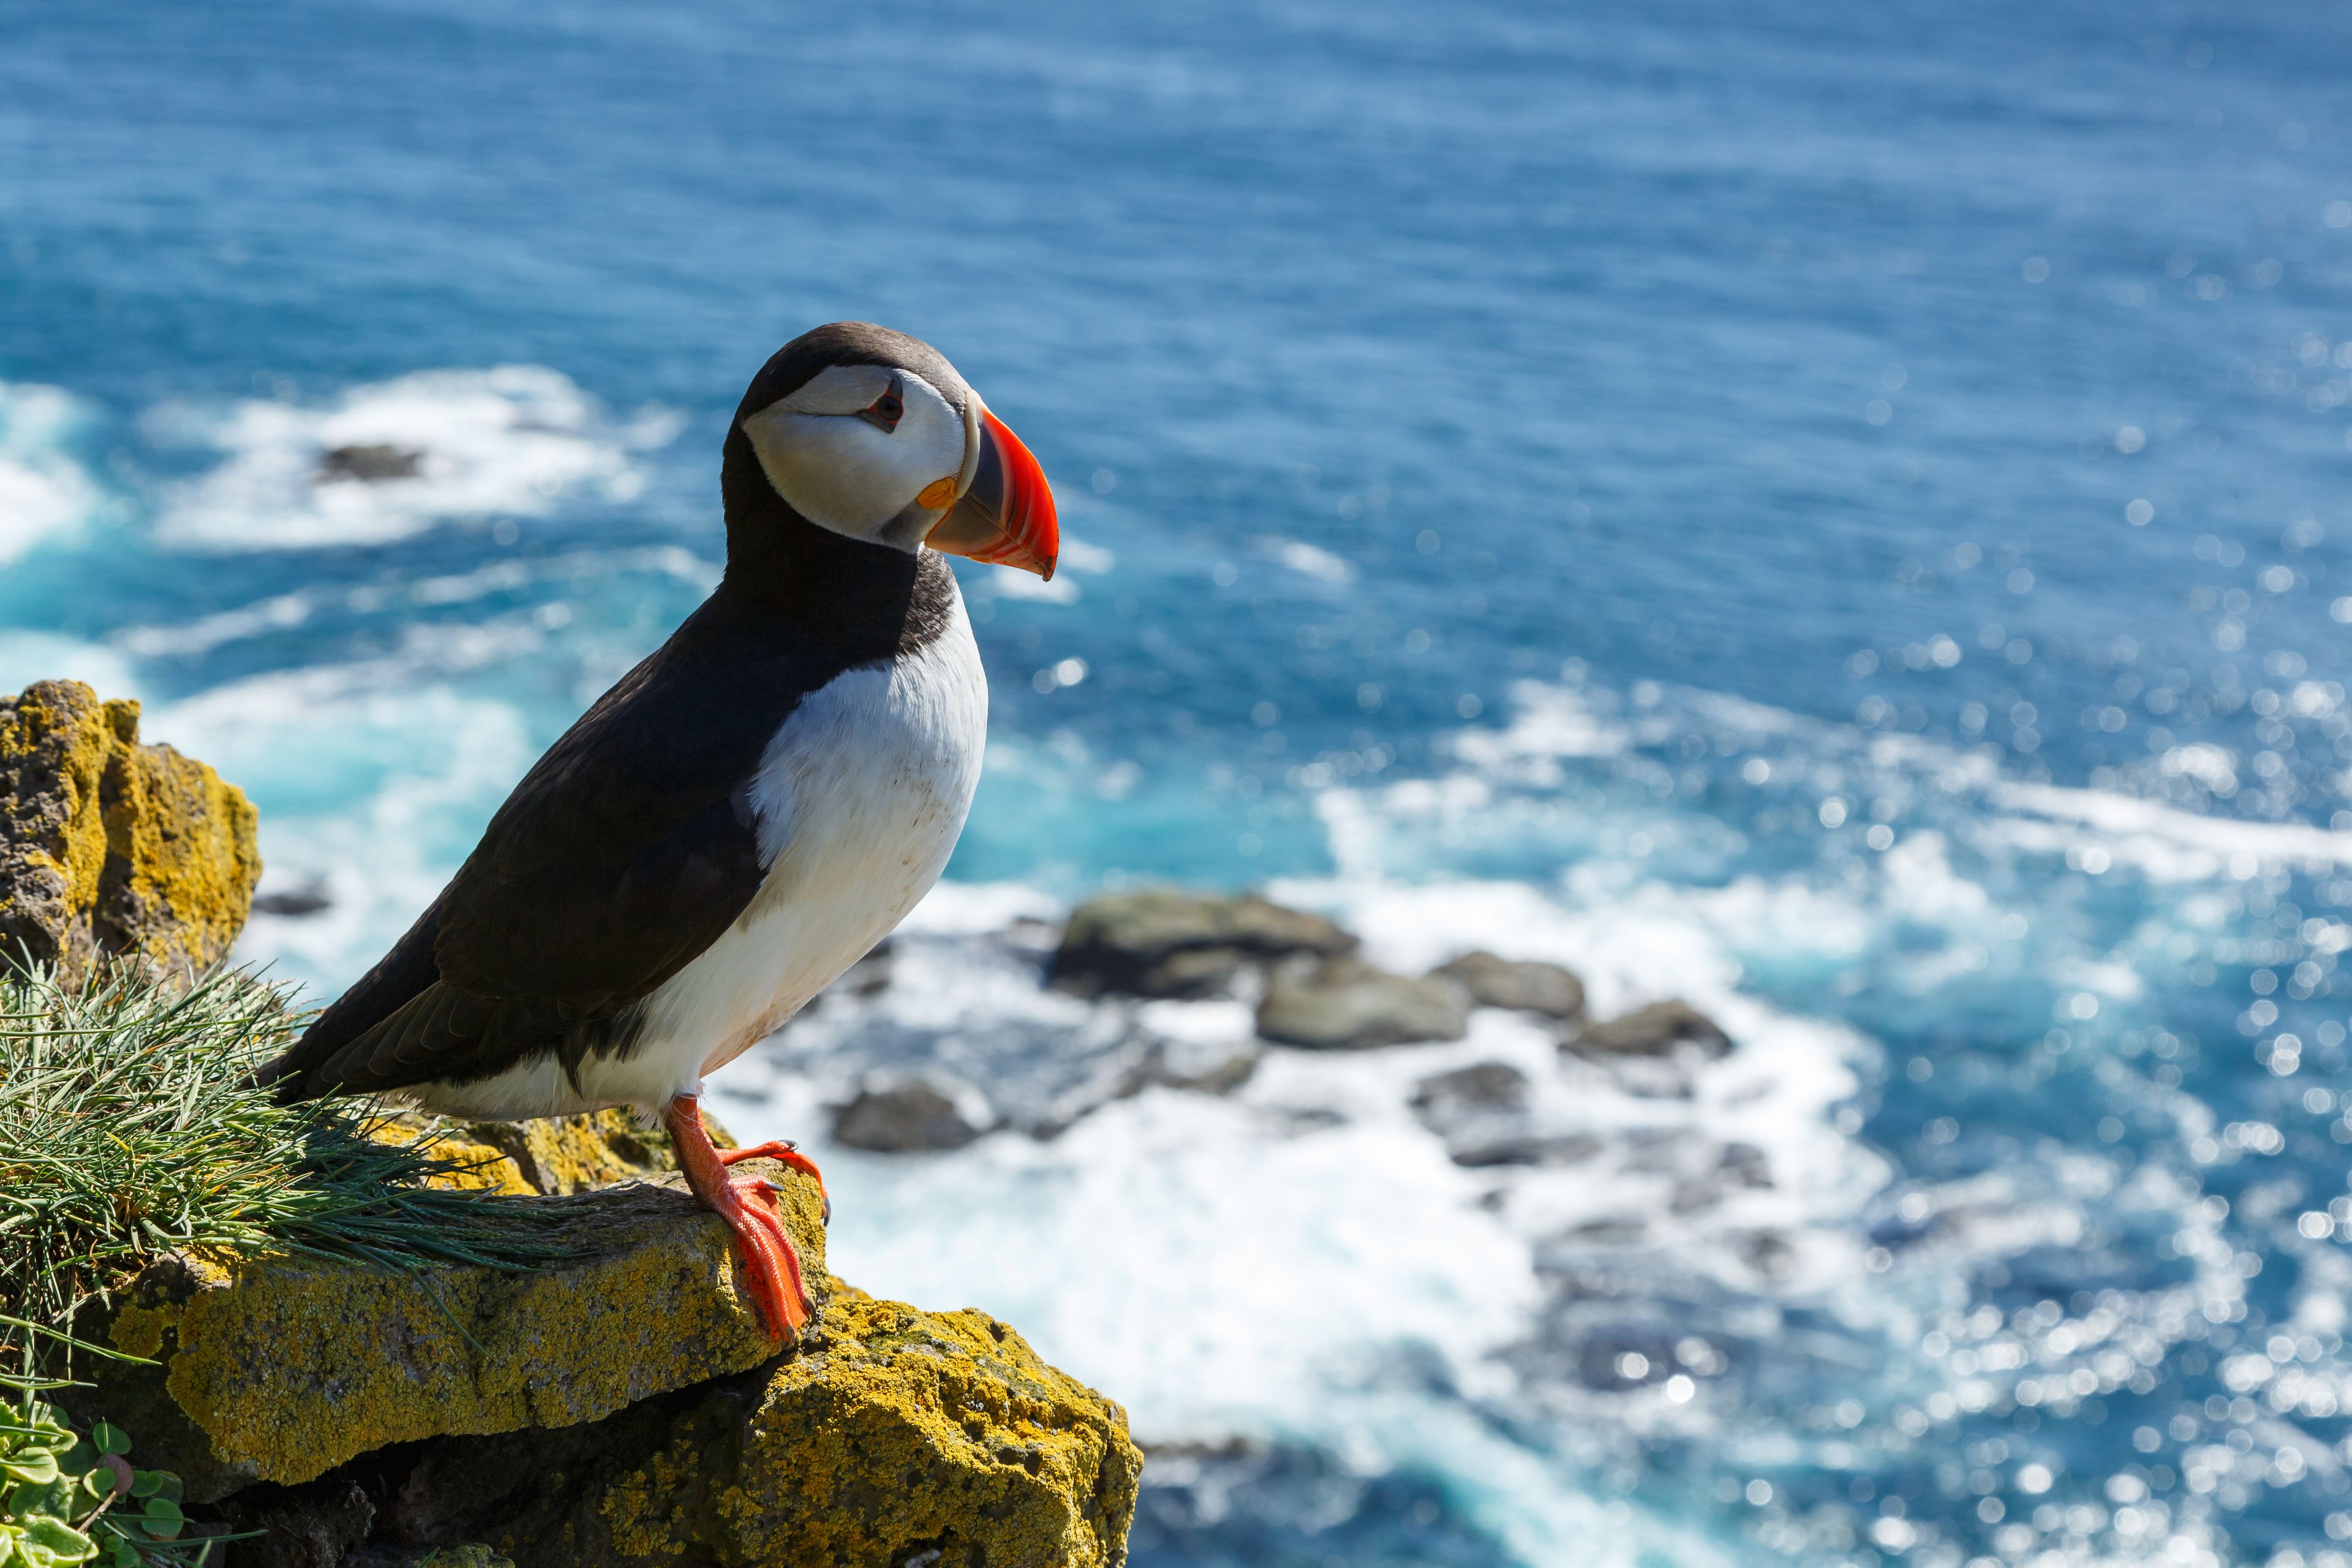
x: 130, y: 1126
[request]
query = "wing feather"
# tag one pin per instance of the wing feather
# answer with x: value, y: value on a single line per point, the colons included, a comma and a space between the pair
x: 626, y: 850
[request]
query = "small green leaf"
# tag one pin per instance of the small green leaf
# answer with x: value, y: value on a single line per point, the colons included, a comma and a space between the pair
x: 111, y: 1438
x: 38, y: 1466
x: 124, y: 1554
x: 79, y: 1458
x: 61, y: 1541
x: 170, y: 1486
x: 162, y: 1518
x: 146, y: 1483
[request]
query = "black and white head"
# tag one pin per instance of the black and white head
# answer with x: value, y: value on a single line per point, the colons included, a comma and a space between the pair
x: 871, y: 434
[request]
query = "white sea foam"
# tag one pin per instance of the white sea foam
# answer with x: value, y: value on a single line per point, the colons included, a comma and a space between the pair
x: 1288, y: 1262
x: 2165, y: 842
x: 43, y: 490
x: 512, y: 440
x: 1308, y: 559
x: 26, y: 657
x: 283, y: 612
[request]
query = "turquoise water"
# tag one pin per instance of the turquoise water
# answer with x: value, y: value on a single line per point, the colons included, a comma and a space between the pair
x: 1834, y: 512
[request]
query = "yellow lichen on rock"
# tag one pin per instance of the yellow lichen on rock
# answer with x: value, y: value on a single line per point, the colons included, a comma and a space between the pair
x: 111, y: 848
x: 903, y: 1428
x: 466, y: 1165
x: 888, y: 1436
x: 559, y: 1154
x: 289, y: 1366
x: 554, y: 1155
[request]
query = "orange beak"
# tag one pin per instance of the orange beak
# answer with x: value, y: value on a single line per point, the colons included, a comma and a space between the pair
x: 1006, y: 518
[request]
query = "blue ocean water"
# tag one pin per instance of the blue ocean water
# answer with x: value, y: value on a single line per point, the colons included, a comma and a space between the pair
x: 1832, y: 510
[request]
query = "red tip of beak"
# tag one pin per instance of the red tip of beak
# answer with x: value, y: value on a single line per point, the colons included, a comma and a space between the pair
x: 1006, y: 518
x: 1030, y: 529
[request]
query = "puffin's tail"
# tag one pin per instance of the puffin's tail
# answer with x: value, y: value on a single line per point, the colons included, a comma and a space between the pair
x: 305, y: 1071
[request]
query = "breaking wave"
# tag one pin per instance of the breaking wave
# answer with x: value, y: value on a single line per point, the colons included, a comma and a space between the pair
x: 43, y: 490
x: 386, y: 461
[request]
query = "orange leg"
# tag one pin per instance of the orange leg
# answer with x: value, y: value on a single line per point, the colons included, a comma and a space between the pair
x: 787, y: 1153
x: 771, y: 1264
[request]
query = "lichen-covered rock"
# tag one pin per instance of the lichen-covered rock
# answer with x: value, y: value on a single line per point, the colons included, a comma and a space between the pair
x: 1345, y: 1003
x: 107, y: 846
x: 553, y: 1155
x: 1525, y: 985
x: 284, y: 1368
x: 1165, y: 941
x: 467, y: 1164
x: 889, y: 1437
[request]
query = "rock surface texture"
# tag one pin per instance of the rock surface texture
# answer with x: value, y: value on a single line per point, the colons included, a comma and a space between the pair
x: 623, y: 1408
x: 111, y: 848
x: 891, y: 1436
x: 1345, y: 1003
x: 1657, y: 1030
x: 1166, y: 942
x: 1522, y: 984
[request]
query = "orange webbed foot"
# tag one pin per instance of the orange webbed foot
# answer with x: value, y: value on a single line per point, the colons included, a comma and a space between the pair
x: 769, y: 1264
x: 786, y: 1154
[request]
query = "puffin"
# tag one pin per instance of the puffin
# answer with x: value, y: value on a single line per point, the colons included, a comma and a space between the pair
x: 746, y: 813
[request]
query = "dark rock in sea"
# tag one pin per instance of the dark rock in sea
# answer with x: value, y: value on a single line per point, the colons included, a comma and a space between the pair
x: 368, y: 464
x: 1481, y: 1087
x: 1653, y: 1031
x: 1207, y: 1067
x: 1482, y: 1112
x: 1740, y: 1167
x: 294, y: 903
x: 905, y: 1118
x: 870, y: 976
x: 1528, y: 1148
x: 1166, y: 942
x: 1524, y: 985
x: 1345, y: 1003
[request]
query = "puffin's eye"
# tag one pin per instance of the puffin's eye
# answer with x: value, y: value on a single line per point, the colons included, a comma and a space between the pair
x: 885, y: 412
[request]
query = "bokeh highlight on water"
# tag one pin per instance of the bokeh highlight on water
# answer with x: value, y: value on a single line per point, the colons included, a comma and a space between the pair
x: 1832, y: 511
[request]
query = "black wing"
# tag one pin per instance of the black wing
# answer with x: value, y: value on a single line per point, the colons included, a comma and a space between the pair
x: 624, y: 853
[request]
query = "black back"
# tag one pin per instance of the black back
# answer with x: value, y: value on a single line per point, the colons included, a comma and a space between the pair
x: 630, y: 848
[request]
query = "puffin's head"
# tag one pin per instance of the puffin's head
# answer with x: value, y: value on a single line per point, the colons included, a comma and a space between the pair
x: 872, y: 435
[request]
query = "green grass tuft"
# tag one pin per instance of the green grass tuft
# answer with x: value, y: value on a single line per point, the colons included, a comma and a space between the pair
x: 130, y: 1126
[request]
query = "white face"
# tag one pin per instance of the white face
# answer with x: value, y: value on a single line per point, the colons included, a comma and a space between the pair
x: 868, y: 451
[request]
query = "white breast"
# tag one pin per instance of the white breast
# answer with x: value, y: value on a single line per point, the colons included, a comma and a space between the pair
x: 860, y: 798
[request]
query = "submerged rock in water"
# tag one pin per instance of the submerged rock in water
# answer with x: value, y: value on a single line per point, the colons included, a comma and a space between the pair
x: 1482, y: 1112
x: 1166, y: 942
x: 1522, y: 984
x: 1480, y: 1088
x: 908, y: 1117
x: 294, y: 903
x: 1656, y: 1030
x: 110, y: 848
x: 370, y: 463
x: 1345, y: 1003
